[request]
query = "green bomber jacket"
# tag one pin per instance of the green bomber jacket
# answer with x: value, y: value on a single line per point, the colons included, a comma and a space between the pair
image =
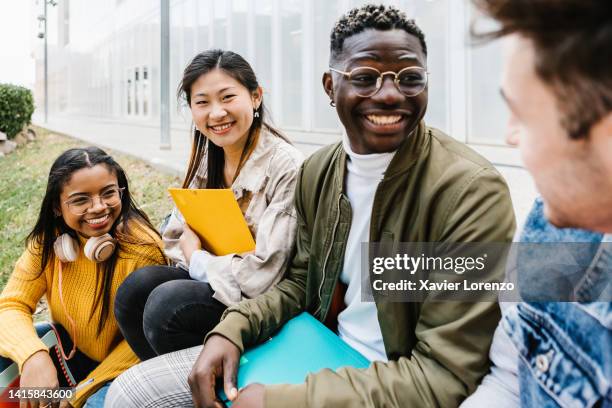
x: 435, y: 189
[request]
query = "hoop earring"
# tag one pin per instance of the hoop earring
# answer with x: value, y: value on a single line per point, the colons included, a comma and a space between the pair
x: 332, y: 103
x: 255, y: 113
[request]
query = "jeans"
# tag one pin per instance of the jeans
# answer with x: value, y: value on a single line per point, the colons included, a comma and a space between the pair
x: 160, y: 309
x: 96, y: 400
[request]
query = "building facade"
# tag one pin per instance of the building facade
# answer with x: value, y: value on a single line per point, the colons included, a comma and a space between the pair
x: 104, y: 61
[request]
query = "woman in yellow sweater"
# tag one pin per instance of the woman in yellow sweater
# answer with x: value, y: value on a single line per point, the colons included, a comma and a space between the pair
x: 88, y: 238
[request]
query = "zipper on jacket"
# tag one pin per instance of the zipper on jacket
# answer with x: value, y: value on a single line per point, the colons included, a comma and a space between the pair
x: 331, y: 246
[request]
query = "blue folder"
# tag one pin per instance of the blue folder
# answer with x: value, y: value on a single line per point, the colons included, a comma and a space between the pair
x: 303, y: 345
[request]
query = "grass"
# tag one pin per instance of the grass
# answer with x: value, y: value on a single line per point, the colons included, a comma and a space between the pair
x: 23, y: 179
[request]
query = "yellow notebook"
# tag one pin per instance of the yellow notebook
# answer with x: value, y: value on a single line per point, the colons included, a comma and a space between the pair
x: 215, y: 216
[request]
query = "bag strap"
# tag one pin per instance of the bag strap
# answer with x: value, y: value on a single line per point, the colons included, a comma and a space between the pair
x: 70, y: 320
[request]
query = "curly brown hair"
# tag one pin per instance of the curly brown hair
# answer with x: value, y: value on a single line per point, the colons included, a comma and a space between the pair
x: 573, y: 53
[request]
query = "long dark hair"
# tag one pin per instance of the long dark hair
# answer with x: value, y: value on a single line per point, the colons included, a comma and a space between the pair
x: 49, y: 226
x: 238, y: 68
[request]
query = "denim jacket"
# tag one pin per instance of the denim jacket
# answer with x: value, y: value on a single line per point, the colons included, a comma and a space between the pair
x: 560, y: 352
x: 565, y: 353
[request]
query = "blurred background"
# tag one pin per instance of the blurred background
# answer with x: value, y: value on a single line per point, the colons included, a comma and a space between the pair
x: 107, y: 71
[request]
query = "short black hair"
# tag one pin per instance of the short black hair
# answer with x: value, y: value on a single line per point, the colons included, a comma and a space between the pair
x: 378, y: 17
x: 571, y: 40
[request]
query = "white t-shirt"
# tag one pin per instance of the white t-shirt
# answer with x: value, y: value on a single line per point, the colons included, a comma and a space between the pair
x: 358, y: 324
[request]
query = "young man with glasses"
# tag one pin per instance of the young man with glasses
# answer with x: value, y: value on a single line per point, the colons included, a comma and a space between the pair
x: 392, y: 179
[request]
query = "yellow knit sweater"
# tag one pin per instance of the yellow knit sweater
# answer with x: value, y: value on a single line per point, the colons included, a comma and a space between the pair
x: 18, y: 340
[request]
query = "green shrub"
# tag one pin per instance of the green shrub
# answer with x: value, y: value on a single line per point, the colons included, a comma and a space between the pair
x: 16, y: 108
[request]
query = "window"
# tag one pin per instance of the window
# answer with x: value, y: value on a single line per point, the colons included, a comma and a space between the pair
x: 64, y: 23
x: 203, y: 25
x: 262, y: 63
x: 432, y: 16
x: 145, y: 91
x: 129, y: 92
x: 138, y: 92
x: 291, y: 37
x: 178, y: 55
x: 487, y: 116
x: 325, y: 15
x: 219, y: 24
x: 239, y: 23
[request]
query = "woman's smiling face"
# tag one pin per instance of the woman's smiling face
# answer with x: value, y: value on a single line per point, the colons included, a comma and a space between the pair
x: 96, y: 183
x: 222, y: 108
x: 381, y: 122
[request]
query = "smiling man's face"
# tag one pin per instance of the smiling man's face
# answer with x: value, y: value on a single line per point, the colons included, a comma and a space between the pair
x: 381, y: 122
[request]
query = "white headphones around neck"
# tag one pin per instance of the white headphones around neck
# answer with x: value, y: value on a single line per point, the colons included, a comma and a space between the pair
x: 97, y: 249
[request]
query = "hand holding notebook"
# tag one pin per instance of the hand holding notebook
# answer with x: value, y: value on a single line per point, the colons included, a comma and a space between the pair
x: 302, y: 346
x: 214, y: 215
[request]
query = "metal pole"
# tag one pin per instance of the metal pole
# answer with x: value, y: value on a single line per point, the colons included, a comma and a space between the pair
x: 46, y: 82
x: 164, y: 97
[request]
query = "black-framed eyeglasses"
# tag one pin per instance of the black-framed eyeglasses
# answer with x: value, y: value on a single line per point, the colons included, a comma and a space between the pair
x: 366, y: 81
x: 81, y: 204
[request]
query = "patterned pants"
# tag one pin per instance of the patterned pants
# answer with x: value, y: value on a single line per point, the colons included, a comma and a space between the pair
x: 158, y: 382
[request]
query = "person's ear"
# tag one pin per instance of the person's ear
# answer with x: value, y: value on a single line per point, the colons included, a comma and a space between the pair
x: 257, y: 96
x: 328, y: 85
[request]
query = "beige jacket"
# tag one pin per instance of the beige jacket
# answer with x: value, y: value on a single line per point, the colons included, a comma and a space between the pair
x: 264, y: 190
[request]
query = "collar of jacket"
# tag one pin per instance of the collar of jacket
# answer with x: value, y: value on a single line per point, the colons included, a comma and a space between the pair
x: 407, y: 154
